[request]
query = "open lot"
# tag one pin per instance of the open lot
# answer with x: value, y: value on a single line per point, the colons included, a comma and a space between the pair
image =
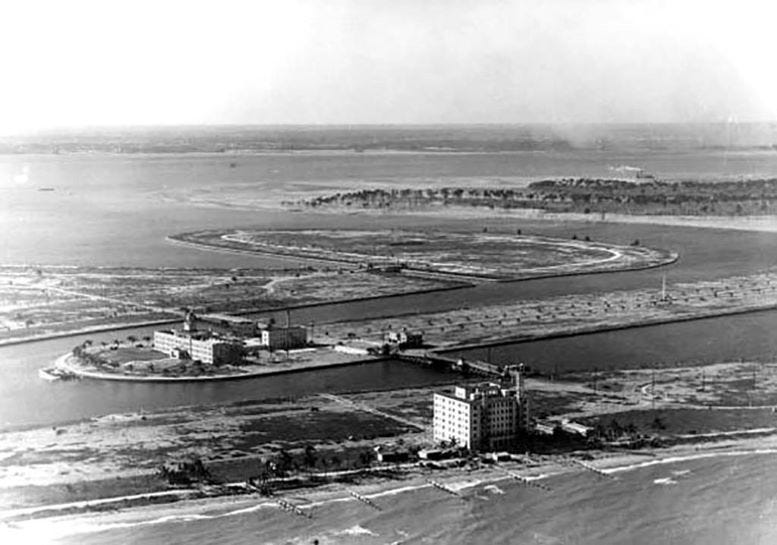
x: 43, y: 300
x: 120, y: 453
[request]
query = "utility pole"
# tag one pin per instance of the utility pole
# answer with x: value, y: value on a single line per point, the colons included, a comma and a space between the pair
x: 653, y: 389
x: 663, y: 288
x: 286, y: 333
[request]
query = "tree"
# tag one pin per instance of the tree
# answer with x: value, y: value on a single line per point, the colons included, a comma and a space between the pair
x: 658, y: 424
x: 335, y: 461
x: 365, y: 458
x: 310, y: 456
x: 283, y: 463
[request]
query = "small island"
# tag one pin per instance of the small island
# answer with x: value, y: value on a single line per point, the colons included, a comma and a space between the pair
x: 461, y: 256
x: 207, y: 347
x: 645, y: 195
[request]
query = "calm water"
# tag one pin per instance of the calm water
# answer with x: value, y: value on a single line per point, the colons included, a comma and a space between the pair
x: 117, y: 210
x: 25, y: 399
x: 750, y: 337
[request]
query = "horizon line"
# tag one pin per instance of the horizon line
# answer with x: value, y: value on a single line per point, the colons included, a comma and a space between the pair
x: 103, y: 127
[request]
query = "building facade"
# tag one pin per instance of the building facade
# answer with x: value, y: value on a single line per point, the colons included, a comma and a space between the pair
x: 202, y: 347
x: 284, y: 338
x: 486, y: 416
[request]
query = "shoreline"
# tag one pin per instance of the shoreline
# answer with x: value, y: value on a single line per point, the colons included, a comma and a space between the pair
x: 590, y: 330
x: 62, y: 363
x: 549, y: 332
x: 409, y: 478
x: 760, y: 223
x: 117, y: 485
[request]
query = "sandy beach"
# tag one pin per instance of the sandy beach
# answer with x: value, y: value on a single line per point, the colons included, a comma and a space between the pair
x: 481, y: 485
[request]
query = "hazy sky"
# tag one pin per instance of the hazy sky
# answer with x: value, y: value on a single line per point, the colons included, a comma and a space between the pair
x: 80, y: 62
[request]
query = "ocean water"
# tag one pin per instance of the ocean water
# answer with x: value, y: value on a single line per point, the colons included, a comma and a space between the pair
x: 719, y: 500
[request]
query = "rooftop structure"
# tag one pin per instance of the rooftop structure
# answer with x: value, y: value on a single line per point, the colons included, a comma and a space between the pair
x: 485, y: 416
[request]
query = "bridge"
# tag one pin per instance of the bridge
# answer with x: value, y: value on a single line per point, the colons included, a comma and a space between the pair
x: 429, y: 357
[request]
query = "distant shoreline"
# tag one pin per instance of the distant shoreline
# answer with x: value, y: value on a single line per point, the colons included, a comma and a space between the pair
x: 732, y: 223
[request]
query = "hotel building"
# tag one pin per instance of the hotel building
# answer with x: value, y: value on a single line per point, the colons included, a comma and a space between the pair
x: 486, y: 416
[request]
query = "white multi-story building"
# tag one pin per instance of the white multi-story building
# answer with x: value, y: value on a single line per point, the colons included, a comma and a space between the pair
x: 486, y: 416
x: 198, y: 346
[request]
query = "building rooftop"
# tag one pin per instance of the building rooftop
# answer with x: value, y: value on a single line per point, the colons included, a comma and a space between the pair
x: 473, y: 392
x: 194, y: 335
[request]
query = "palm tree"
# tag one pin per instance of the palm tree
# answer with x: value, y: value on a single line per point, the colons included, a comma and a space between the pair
x: 310, y: 456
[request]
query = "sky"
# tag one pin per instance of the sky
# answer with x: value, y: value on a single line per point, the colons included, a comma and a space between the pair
x: 84, y: 63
